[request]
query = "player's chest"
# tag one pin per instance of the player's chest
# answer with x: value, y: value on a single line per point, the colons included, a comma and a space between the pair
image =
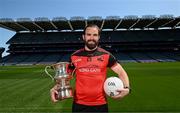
x: 95, y: 61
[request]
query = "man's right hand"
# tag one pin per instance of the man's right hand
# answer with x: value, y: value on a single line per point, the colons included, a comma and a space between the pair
x: 54, y: 93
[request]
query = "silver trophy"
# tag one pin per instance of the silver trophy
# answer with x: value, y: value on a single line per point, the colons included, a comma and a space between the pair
x: 62, y: 78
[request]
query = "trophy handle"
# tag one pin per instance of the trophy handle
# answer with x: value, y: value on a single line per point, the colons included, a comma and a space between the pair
x: 48, y: 72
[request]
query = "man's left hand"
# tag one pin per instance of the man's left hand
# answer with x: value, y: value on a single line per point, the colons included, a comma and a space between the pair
x: 122, y: 93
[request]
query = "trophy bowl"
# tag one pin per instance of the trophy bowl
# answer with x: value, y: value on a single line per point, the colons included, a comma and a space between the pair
x: 62, y: 78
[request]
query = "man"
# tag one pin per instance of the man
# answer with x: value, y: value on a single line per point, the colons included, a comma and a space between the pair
x: 91, y: 63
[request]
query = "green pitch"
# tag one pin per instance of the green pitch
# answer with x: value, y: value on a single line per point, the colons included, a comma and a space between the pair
x: 155, y: 88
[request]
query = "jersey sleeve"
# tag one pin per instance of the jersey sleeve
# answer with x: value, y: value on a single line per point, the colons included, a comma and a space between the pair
x: 112, y: 60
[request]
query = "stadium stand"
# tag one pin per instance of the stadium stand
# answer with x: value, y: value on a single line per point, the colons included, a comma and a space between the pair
x: 1, y: 51
x: 130, y: 39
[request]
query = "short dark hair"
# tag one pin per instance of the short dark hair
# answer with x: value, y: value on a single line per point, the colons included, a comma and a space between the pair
x: 92, y: 25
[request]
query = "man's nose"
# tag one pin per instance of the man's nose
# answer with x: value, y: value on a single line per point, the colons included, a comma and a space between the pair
x: 91, y: 37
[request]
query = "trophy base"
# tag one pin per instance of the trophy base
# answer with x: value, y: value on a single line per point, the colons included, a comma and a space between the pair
x: 65, y: 93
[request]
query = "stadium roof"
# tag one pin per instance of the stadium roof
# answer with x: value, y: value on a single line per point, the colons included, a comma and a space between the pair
x: 42, y: 24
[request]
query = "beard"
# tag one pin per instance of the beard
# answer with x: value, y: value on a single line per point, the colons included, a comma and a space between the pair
x: 91, y: 44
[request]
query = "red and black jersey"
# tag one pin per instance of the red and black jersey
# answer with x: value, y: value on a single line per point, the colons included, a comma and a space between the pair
x: 91, y: 68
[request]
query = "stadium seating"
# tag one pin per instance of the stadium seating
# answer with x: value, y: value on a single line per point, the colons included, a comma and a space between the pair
x: 141, y: 57
x: 1, y: 51
x: 127, y: 46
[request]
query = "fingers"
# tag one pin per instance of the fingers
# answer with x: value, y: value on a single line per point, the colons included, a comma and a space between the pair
x: 121, y: 90
x: 122, y: 93
x: 54, y: 94
x: 119, y: 97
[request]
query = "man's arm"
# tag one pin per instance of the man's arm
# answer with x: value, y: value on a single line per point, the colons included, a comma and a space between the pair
x: 117, y: 68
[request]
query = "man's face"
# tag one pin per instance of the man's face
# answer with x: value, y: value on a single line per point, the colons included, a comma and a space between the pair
x: 91, y: 37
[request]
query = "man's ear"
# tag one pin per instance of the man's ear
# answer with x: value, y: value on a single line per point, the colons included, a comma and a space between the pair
x: 83, y: 37
x: 99, y: 37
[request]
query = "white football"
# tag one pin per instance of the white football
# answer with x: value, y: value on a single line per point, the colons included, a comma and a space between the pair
x: 111, y: 85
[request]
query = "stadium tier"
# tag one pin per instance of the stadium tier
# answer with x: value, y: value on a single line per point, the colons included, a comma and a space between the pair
x: 1, y: 51
x: 129, y: 39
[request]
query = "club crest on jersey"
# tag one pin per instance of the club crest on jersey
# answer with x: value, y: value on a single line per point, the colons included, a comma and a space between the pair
x: 100, y: 58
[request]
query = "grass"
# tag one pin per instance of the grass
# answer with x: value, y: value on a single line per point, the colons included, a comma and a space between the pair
x: 155, y: 88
